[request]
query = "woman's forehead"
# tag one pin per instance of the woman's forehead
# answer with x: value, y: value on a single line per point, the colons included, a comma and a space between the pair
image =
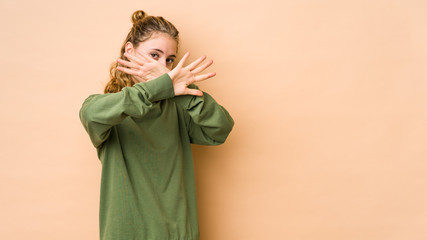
x: 160, y: 41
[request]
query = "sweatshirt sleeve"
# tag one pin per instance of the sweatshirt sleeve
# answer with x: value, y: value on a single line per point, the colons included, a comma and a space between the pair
x: 208, y: 123
x: 100, y: 112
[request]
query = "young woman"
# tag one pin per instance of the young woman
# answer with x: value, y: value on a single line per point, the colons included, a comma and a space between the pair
x: 142, y: 128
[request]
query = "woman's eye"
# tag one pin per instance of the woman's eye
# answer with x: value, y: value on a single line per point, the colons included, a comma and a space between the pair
x: 154, y: 55
x: 170, y: 60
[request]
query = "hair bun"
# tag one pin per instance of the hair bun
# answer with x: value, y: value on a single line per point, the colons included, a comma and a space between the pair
x: 138, y: 16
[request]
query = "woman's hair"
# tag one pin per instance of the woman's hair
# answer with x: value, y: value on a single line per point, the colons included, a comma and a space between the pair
x: 143, y: 27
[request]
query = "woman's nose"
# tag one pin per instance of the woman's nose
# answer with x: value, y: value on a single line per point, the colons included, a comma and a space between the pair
x: 162, y: 61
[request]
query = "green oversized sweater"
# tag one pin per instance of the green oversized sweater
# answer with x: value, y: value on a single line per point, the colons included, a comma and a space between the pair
x: 142, y: 135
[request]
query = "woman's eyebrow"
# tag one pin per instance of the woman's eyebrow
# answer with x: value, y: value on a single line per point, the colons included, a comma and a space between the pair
x: 173, y: 55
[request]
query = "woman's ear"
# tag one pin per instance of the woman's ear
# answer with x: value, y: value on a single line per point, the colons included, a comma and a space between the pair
x: 129, y: 48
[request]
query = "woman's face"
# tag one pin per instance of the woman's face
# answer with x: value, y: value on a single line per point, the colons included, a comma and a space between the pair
x: 161, y: 47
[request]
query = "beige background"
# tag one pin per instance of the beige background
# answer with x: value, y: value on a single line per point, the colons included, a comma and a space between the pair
x: 329, y: 99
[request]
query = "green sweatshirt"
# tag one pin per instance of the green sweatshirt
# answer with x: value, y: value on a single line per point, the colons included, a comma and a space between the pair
x: 142, y: 135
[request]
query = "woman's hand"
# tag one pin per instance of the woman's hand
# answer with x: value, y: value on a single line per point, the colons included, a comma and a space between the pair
x: 143, y: 68
x: 184, y: 76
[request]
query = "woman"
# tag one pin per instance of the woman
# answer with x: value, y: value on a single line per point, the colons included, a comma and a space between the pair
x: 142, y: 128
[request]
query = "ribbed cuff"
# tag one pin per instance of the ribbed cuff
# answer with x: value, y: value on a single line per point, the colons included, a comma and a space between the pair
x: 160, y: 88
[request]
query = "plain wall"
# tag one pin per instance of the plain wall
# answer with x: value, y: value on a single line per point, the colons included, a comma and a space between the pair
x: 329, y: 99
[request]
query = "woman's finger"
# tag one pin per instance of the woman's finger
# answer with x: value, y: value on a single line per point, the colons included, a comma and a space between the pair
x: 145, y: 56
x: 129, y: 71
x: 182, y: 61
x: 127, y: 63
x: 204, y: 76
x: 132, y: 57
x: 194, y: 64
x: 203, y: 67
x: 191, y: 91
